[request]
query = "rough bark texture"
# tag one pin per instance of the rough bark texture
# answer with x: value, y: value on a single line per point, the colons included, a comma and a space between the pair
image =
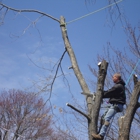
x: 98, y: 99
x: 126, y: 121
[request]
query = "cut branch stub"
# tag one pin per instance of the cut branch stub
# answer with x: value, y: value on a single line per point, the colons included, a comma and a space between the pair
x: 82, y: 113
x: 135, y: 79
x: 87, y: 94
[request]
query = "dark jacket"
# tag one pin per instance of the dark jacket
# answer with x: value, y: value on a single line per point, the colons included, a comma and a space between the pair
x: 116, y: 93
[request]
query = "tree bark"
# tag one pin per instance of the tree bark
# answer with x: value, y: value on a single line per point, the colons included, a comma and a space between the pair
x: 98, y: 99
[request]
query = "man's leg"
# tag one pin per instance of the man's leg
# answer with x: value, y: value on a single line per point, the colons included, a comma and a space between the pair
x: 98, y: 136
x: 111, y: 112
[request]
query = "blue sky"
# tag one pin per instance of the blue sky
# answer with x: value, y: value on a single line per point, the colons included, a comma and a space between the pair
x: 43, y: 44
x: 87, y: 37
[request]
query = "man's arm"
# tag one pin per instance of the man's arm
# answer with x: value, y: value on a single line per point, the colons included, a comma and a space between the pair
x: 113, y: 92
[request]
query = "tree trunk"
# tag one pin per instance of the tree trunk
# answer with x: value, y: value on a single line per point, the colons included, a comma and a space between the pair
x: 98, y: 99
x: 126, y: 121
x: 77, y: 71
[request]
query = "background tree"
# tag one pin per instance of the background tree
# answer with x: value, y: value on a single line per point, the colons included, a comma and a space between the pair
x: 25, y: 116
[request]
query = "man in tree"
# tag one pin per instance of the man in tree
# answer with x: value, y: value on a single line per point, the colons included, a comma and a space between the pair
x: 117, y: 100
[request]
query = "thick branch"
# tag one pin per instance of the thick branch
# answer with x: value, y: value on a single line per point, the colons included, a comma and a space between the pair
x: 78, y: 111
x: 29, y: 10
x: 72, y: 56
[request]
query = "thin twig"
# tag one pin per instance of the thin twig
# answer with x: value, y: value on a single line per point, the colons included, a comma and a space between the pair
x: 59, y: 64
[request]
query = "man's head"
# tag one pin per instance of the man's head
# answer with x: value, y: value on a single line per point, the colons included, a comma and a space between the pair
x: 116, y: 77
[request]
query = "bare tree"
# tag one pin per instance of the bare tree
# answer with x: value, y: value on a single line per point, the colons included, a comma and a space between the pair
x: 24, y: 116
x: 93, y: 105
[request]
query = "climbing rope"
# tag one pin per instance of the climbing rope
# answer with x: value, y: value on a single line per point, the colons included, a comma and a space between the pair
x: 94, y: 12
